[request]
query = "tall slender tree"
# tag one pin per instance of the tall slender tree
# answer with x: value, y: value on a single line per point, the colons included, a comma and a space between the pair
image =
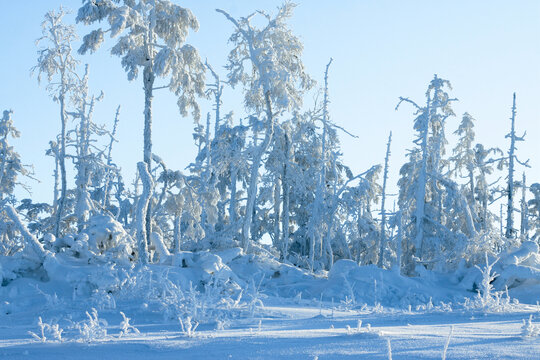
x: 274, y: 82
x: 382, y: 242
x: 510, y: 231
x: 420, y: 196
x: 152, y: 36
x: 57, y: 63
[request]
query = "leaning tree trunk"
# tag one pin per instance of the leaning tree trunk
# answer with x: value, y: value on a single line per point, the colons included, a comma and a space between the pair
x: 28, y: 238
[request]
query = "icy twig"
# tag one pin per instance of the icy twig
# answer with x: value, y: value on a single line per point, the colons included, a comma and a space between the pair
x: 447, y: 342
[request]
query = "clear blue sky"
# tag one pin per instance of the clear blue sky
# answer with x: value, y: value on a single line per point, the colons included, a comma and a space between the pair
x: 381, y: 50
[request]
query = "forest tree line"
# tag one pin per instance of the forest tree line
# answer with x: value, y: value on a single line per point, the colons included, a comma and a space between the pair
x: 276, y: 175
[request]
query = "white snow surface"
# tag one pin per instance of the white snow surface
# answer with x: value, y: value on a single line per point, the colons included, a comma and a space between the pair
x: 238, y: 306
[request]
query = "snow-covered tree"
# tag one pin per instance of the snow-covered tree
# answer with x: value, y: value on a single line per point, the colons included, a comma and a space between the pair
x: 152, y: 37
x: 383, y: 239
x: 510, y: 231
x: 11, y: 168
x: 524, y: 210
x: 534, y: 210
x: 84, y: 158
x: 274, y: 81
x: 474, y: 163
x: 463, y: 159
x: 57, y: 64
x: 421, y: 190
x: 316, y: 234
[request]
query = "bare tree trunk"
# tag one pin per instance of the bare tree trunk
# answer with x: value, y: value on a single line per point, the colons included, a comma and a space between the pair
x: 277, y: 212
x: 177, y: 231
x: 27, y: 236
x: 142, y: 206
x: 382, y: 243
x: 286, y: 199
x: 511, y: 156
x: 232, y: 203
x: 62, y: 161
x: 148, y: 96
x: 106, y: 200
x: 254, y: 176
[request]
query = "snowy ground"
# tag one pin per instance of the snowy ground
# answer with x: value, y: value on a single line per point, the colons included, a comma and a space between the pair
x: 286, y: 332
x: 254, y: 307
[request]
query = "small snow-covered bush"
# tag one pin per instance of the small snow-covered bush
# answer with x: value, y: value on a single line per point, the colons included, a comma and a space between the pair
x: 47, y: 332
x: 529, y: 330
x: 190, y: 291
x: 93, y: 328
x: 488, y: 299
x: 52, y: 301
x: 188, y: 326
x: 107, y: 238
x: 126, y: 327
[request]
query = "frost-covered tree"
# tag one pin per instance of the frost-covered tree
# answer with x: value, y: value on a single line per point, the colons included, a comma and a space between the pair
x: 11, y: 168
x: 474, y: 163
x: 274, y: 81
x: 112, y: 170
x: 463, y: 159
x: 84, y: 159
x: 315, y: 234
x: 484, y: 164
x: 534, y: 210
x: 231, y: 170
x: 524, y: 210
x: 421, y: 190
x: 152, y: 37
x: 510, y: 231
x: 361, y: 227
x: 57, y: 64
x: 382, y: 242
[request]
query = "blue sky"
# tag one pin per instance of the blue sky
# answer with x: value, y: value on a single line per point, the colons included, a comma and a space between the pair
x: 381, y: 50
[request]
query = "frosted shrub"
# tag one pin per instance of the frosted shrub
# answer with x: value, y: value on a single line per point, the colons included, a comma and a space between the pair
x: 52, y: 301
x: 487, y: 299
x: 188, y: 326
x: 217, y: 299
x: 254, y: 297
x: 347, y: 304
x: 92, y: 329
x: 47, y: 332
x: 126, y: 327
x: 529, y: 330
x: 102, y: 300
x: 486, y: 296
